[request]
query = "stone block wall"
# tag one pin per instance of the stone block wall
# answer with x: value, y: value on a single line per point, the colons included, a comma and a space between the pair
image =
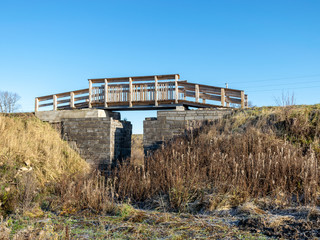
x: 170, y: 124
x: 100, y: 141
x: 99, y: 136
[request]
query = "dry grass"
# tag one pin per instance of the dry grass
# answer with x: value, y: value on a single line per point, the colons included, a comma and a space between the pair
x: 266, y: 152
x: 137, y: 153
x: 91, y: 192
x: 32, y: 156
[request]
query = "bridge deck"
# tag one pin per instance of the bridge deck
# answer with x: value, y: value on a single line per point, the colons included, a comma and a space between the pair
x: 143, y: 93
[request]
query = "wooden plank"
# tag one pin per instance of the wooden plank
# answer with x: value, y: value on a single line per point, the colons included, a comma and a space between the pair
x: 45, y: 98
x: 36, y: 105
x: 190, y: 94
x: 136, y: 78
x: 210, y: 97
x: 76, y: 99
x: 205, y: 88
x: 82, y: 91
x: 55, y: 105
x: 65, y: 94
x: 63, y: 101
x: 222, y: 97
x: 46, y: 104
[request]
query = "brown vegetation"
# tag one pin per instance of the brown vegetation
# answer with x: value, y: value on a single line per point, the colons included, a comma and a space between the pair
x: 137, y: 153
x: 266, y: 152
x: 32, y: 157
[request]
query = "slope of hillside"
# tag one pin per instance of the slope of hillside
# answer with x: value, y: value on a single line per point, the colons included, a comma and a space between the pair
x: 32, y: 156
x: 264, y: 152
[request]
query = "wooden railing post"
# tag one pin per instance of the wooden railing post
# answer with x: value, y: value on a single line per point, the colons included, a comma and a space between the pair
x: 36, y: 105
x: 155, y: 90
x: 72, y: 99
x: 176, y: 88
x: 130, y: 92
x: 90, y: 93
x: 227, y: 97
x: 222, y: 97
x: 197, y: 92
x: 242, y: 99
x: 106, y: 93
x: 55, y: 103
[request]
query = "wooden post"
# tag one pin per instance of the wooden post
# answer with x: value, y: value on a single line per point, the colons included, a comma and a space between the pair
x: 36, y: 106
x: 130, y: 92
x: 176, y: 88
x: 106, y: 93
x: 222, y: 97
x: 227, y: 97
x: 155, y: 90
x: 197, y: 92
x: 72, y: 99
x: 55, y: 103
x: 242, y: 99
x: 90, y: 93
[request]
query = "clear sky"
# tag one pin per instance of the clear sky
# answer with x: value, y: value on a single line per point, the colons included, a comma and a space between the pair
x: 263, y: 47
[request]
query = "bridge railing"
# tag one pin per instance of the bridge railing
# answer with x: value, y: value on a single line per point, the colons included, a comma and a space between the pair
x: 145, y: 90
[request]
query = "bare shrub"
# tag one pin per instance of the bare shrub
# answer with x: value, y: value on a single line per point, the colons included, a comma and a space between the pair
x: 27, y: 186
x: 9, y: 102
x: 92, y: 192
x: 137, y: 152
x: 287, y: 99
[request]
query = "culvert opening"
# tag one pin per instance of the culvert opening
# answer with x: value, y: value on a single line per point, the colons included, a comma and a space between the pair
x: 136, y: 118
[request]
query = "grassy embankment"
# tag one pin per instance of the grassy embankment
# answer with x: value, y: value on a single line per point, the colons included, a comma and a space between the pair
x: 269, y: 153
x: 268, y: 157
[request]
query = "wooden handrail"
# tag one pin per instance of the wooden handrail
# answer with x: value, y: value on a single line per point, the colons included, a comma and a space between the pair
x: 133, y: 90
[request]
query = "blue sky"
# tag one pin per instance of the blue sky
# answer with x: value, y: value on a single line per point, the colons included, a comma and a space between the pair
x: 262, y: 47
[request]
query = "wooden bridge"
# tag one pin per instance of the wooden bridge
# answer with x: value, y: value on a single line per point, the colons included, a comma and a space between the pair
x: 143, y: 93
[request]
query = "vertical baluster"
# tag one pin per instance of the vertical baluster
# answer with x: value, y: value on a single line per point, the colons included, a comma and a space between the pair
x: 155, y: 90
x: 106, y: 93
x: 130, y: 92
